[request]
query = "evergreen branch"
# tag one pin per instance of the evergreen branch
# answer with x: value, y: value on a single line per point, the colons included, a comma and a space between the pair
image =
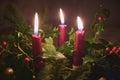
x: 23, y: 51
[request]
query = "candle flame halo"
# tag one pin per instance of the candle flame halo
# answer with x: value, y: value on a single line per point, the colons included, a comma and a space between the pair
x: 61, y: 16
x: 36, y: 24
x: 79, y: 23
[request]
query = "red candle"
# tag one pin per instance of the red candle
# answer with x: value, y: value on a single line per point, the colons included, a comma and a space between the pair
x: 62, y: 30
x: 36, y: 44
x: 78, y: 44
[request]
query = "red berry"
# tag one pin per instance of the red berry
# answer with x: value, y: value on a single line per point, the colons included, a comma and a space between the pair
x: 114, y: 49
x: 99, y: 18
x: 104, y: 19
x: 119, y: 48
x: 38, y: 65
x: 107, y: 49
x: 27, y: 59
x: 4, y: 43
x: 117, y: 51
x: 111, y: 52
x: 41, y: 61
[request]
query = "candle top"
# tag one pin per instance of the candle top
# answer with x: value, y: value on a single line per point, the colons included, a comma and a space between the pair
x: 36, y: 24
x: 79, y: 23
x: 61, y: 16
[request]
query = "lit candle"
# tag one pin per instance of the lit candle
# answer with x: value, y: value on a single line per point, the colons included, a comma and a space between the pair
x: 36, y: 43
x: 78, y: 44
x: 62, y: 30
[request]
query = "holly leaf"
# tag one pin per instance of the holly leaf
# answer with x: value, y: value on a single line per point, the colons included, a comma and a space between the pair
x: 88, y: 59
x: 97, y: 46
x: 66, y: 48
x: 104, y: 41
x: 89, y: 39
x: 71, y: 34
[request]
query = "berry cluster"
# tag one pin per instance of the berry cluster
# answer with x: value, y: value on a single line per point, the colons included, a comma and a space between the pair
x: 112, y: 50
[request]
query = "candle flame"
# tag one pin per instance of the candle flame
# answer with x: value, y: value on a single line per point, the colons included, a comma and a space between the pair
x: 61, y: 16
x: 79, y: 23
x: 36, y: 24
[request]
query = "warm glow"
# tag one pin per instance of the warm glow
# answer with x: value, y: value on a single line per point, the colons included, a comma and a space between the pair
x: 61, y: 16
x: 80, y: 24
x: 36, y: 24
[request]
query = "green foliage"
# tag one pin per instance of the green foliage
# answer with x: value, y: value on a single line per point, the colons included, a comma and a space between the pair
x: 81, y: 73
x: 49, y: 48
x: 54, y: 67
x: 97, y: 24
x: 57, y: 64
x: 88, y: 59
x: 50, y: 31
x: 71, y: 35
x: 68, y: 47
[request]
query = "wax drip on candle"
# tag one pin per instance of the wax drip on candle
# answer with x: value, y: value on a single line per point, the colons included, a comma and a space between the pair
x: 36, y: 24
x: 79, y: 23
x: 61, y: 16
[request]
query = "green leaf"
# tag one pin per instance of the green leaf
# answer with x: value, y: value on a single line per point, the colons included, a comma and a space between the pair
x: 18, y: 37
x: 88, y: 59
x: 67, y: 48
x: 104, y: 42
x: 71, y: 34
x: 50, y: 31
x: 49, y: 48
x: 89, y: 39
x: 97, y: 46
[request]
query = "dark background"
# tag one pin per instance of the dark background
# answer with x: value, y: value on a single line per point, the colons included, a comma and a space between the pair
x: 86, y: 9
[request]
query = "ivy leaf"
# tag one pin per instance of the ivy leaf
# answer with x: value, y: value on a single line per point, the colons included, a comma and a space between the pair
x: 59, y: 56
x: 49, y: 48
